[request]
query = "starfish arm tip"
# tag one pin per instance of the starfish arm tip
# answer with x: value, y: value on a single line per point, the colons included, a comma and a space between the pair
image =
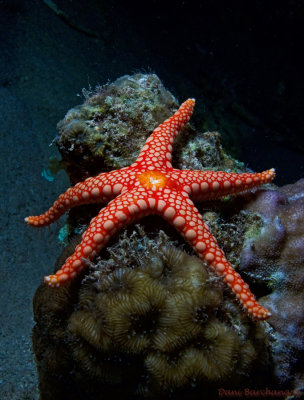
x: 270, y: 174
x: 262, y: 314
x: 32, y: 221
x: 37, y: 221
x: 52, y: 280
x: 190, y: 102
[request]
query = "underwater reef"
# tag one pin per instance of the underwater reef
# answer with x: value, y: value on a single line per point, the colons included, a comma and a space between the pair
x: 148, y: 320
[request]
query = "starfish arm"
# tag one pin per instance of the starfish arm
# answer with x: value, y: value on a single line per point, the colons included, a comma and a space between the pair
x: 184, y: 216
x: 158, y: 147
x: 124, y: 209
x: 98, y: 189
x: 208, y: 185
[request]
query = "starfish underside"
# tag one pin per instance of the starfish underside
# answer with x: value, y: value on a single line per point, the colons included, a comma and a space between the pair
x: 152, y: 186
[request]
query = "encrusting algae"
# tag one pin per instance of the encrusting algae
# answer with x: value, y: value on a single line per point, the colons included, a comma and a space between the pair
x: 147, y: 322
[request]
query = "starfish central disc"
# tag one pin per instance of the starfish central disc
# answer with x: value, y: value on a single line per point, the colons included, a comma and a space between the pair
x: 153, y: 180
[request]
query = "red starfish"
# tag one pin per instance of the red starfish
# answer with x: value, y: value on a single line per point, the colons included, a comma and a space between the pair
x: 151, y: 186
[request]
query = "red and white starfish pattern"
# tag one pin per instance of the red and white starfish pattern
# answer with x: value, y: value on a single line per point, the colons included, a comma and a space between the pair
x: 152, y: 186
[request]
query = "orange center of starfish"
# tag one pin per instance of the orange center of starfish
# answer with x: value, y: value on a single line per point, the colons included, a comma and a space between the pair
x: 153, y: 180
